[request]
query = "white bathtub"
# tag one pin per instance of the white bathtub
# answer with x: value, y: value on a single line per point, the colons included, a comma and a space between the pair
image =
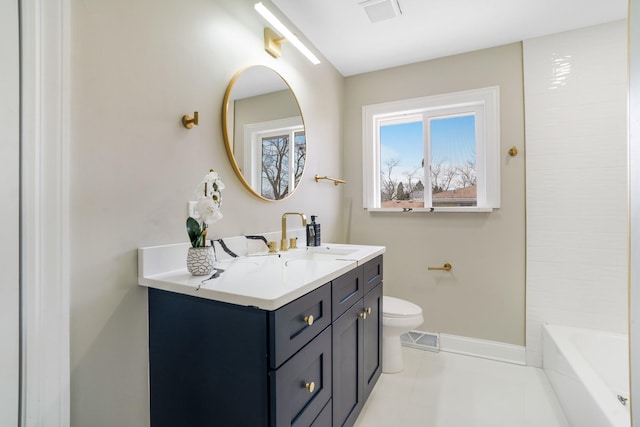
x: 588, y: 370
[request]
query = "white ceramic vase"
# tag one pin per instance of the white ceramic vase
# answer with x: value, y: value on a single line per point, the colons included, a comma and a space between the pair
x: 200, y: 260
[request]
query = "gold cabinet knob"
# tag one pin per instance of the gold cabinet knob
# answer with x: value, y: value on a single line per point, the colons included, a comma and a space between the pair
x: 363, y: 315
x: 367, y: 310
x: 309, y: 320
x: 310, y: 386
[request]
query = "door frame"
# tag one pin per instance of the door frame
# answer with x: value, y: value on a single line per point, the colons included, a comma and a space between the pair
x: 45, y: 165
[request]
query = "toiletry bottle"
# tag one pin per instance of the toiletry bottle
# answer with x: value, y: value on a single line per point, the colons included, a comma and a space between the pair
x: 311, y: 232
x: 316, y: 228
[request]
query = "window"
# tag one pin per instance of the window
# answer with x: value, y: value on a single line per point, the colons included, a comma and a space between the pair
x: 277, y: 155
x: 437, y: 153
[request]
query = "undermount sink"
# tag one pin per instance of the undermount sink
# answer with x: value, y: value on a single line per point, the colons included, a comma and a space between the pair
x: 332, y: 250
x: 318, y: 253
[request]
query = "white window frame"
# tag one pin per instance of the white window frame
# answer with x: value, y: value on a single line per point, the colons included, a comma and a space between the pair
x: 483, y: 102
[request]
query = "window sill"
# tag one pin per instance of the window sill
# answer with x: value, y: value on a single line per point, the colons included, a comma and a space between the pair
x: 433, y: 210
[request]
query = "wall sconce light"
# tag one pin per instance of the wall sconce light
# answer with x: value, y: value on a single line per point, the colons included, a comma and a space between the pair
x: 272, y: 42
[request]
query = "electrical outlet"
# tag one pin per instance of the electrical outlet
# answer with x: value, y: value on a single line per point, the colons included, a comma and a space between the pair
x: 190, y: 208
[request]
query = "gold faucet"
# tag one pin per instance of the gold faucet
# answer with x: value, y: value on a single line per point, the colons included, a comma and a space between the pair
x: 283, y: 242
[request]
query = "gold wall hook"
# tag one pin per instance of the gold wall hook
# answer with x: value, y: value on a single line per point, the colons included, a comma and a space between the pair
x: 445, y: 267
x: 190, y: 121
x: 513, y: 151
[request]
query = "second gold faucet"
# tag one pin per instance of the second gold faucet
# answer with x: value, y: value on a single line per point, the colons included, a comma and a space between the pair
x: 283, y: 242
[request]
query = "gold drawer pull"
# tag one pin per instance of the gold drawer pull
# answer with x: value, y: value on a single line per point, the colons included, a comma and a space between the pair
x: 308, y: 319
x: 367, y: 310
x: 363, y: 315
x: 310, y: 386
x: 446, y: 267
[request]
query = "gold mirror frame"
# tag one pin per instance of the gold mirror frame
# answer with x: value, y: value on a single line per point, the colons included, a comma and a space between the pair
x: 229, y: 131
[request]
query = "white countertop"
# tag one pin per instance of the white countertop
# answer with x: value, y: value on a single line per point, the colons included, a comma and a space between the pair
x: 267, y: 281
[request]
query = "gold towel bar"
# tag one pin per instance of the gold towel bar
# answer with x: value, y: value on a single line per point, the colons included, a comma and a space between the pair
x: 446, y: 267
x: 336, y: 181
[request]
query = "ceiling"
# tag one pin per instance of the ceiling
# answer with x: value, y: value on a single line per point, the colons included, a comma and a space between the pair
x: 428, y: 29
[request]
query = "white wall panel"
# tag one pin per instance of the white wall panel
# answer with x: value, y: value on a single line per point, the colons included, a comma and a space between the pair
x: 575, y: 104
x: 9, y: 213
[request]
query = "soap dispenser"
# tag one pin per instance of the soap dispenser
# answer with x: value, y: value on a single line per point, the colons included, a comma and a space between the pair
x: 313, y: 232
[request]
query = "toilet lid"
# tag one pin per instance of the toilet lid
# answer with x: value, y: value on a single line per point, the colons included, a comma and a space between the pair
x: 396, y: 307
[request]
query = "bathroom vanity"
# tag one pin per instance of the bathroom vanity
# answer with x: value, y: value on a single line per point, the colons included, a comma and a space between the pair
x: 286, y: 340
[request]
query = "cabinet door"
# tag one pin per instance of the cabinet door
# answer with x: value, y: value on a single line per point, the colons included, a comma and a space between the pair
x: 207, y: 362
x: 372, y: 339
x: 347, y: 366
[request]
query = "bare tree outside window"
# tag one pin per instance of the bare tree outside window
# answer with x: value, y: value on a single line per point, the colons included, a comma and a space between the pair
x: 467, y: 175
x: 416, y: 173
x: 388, y: 185
x: 443, y: 177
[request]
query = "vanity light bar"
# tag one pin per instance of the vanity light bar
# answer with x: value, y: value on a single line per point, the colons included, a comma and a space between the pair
x: 286, y: 33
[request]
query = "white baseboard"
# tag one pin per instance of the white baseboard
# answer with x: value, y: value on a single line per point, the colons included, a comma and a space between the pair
x: 493, y: 350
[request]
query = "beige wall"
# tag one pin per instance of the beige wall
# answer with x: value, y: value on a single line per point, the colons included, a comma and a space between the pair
x: 137, y: 67
x: 483, y: 297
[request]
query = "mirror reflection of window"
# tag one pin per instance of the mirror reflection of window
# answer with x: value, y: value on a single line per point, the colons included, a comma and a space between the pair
x: 274, y: 159
x: 300, y: 151
x: 275, y: 167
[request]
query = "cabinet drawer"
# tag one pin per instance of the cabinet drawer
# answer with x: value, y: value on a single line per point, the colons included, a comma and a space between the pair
x: 372, y: 273
x: 296, y: 402
x: 346, y: 290
x: 295, y: 324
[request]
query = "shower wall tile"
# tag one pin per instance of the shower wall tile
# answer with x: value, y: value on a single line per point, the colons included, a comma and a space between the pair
x: 576, y: 148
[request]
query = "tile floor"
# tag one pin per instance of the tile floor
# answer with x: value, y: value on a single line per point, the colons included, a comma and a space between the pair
x: 449, y: 390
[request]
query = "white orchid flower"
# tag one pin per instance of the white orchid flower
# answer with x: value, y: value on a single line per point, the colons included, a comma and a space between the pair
x: 207, y: 208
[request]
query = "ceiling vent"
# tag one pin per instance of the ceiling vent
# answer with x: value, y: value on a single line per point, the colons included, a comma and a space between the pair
x: 380, y: 10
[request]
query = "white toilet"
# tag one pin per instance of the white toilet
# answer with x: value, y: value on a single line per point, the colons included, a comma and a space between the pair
x: 398, y: 317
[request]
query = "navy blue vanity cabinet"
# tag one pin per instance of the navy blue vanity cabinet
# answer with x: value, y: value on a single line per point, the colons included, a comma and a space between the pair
x: 310, y: 363
x: 357, y: 351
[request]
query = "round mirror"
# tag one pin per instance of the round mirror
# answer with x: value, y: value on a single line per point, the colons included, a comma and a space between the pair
x: 264, y: 133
